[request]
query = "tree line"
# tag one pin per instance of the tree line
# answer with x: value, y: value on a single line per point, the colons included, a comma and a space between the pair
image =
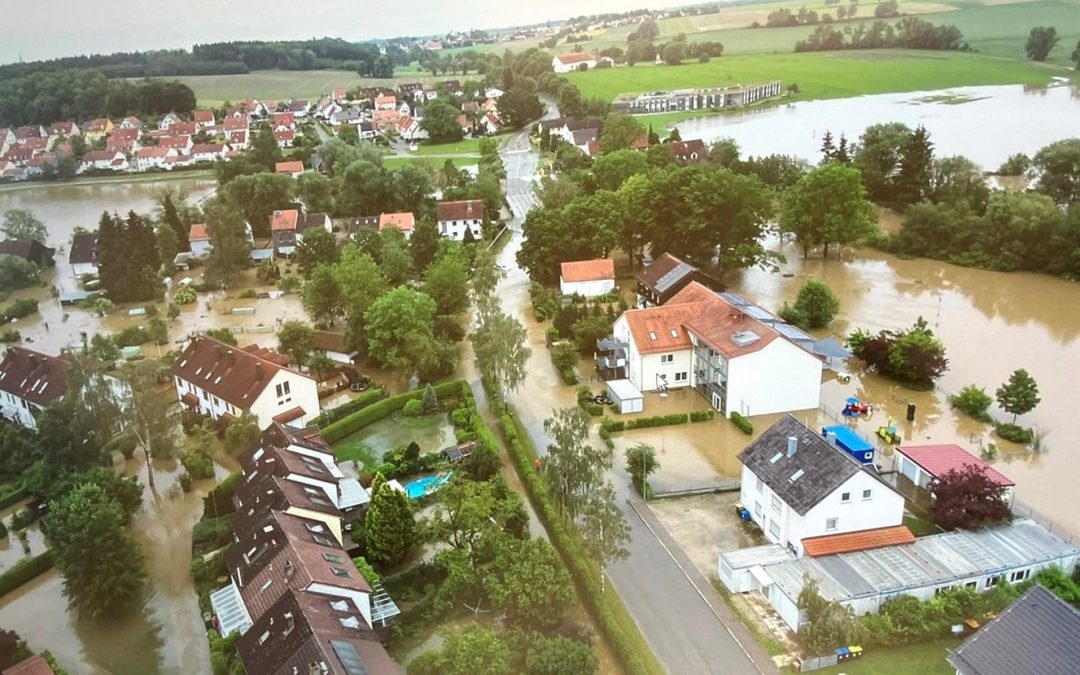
x: 907, y: 33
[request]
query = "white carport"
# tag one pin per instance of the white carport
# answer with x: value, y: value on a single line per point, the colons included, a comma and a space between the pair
x: 625, y: 396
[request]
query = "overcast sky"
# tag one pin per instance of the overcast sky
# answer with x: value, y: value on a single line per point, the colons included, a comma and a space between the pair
x: 40, y: 30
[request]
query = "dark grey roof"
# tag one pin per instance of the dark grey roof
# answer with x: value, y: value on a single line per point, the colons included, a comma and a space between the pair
x: 83, y: 248
x: 824, y: 468
x: 1038, y: 633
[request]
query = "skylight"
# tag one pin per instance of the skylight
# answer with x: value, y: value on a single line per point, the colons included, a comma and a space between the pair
x: 796, y: 476
x: 776, y: 458
x: 674, y: 333
x: 652, y: 335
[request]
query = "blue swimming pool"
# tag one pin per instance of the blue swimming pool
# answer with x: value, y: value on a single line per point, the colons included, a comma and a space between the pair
x: 421, y: 487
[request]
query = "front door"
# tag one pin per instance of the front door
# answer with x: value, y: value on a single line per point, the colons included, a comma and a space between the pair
x: 718, y: 401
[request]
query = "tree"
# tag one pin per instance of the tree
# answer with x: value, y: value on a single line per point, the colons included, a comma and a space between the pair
x: 389, y: 528
x: 519, y: 105
x: 316, y: 191
x: 560, y: 655
x: 530, y: 582
x: 472, y: 651
x: 501, y: 349
x: 394, y: 258
x: 1076, y: 55
x: 441, y: 122
x: 316, y: 247
x: 446, y: 280
x: 413, y: 184
x: 257, y: 196
x: 229, y: 253
x: 573, y: 468
x: 828, y: 206
x: 360, y: 282
x: 22, y: 224
x: 400, y: 329
x: 967, y: 498
x: 241, y: 434
x: 264, y: 149
x: 603, y: 527
x: 916, y: 163
x: 619, y: 132
x: 1019, y: 395
x: 321, y: 296
x: 424, y: 243
x: 16, y: 273
x: 223, y: 335
x: 957, y: 179
x: 167, y: 243
x: 170, y: 217
x: 815, y: 306
x: 828, y: 623
x: 612, y: 169
x: 148, y: 413
x: 296, y: 339
x: 673, y: 53
x: 878, y: 158
x: 128, y: 258
x: 464, y: 514
x: 1040, y: 41
x: 13, y: 649
x: 914, y: 356
x: 641, y: 462
x: 1057, y: 170
x: 104, y: 572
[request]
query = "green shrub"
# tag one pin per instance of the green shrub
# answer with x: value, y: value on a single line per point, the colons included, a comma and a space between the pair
x: 413, y: 408
x: 19, y: 309
x: 186, y: 483
x: 744, y: 424
x: 568, y: 376
x: 702, y: 415
x: 1015, y: 433
x: 210, y: 534
x: 658, y: 421
x: 249, y: 294
x: 612, y: 425
x: 359, y: 403
x: 13, y: 496
x: 185, y: 295
x: 973, y: 401
x: 10, y: 335
x: 23, y: 571
x: 358, y: 420
x: 219, y: 501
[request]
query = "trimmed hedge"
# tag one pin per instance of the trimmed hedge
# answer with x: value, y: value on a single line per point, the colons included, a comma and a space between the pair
x: 568, y: 376
x: 633, y: 660
x: 219, y: 501
x: 25, y: 570
x: 702, y: 415
x: 612, y: 426
x: 376, y: 411
x: 743, y: 423
x: 1015, y: 433
x: 362, y: 401
x: 584, y: 399
x: 13, y: 497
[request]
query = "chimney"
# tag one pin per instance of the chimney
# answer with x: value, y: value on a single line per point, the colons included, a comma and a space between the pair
x: 290, y: 570
x: 290, y: 623
x: 313, y: 668
x: 831, y: 438
x: 792, y: 445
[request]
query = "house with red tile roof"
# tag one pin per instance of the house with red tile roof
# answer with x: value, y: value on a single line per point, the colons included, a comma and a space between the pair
x: 29, y: 382
x: 587, y: 278
x: 571, y: 61
x: 208, y: 152
x: 34, y: 665
x: 64, y: 129
x: 219, y: 381
x: 923, y: 464
x: 131, y: 123
x: 182, y: 144
x: 168, y: 120
x: 285, y: 138
x: 199, y: 240
x: 386, y: 102
x: 405, y: 222
x: 291, y: 169
x: 733, y: 355
x: 102, y: 160
x: 204, y: 118
x: 283, y: 121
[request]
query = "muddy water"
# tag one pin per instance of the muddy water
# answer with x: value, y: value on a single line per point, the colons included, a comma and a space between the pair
x: 1020, y: 119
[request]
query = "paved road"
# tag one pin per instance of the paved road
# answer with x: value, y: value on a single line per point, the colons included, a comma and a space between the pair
x: 684, y: 620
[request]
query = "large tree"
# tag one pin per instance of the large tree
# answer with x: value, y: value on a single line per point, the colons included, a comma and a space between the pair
x: 22, y: 224
x: 878, y: 157
x: 441, y: 122
x: 500, y: 345
x: 967, y: 498
x: 519, y: 105
x: 446, y: 280
x: 955, y: 180
x: 828, y: 206
x: 913, y: 180
x: 296, y: 340
x: 316, y: 247
x: 815, y: 306
x: 229, y: 252
x: 530, y: 583
x: 170, y: 217
x: 389, y: 528
x: 400, y: 329
x: 360, y: 282
x: 104, y: 572
x: 128, y: 258
x: 317, y: 191
x: 257, y: 196
x: 573, y: 467
x: 321, y: 296
x: 1040, y: 41
x: 148, y: 413
x: 1019, y: 395
x: 619, y: 132
x: 1057, y: 169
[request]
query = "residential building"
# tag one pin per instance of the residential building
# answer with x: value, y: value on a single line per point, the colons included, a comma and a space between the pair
x: 405, y: 222
x: 299, y: 107
x: 343, y: 117
x: 339, y: 94
x: 715, y: 343
x: 386, y: 102
x: 493, y: 92
x: 154, y: 157
x: 30, y: 132
x: 131, y: 123
x: 29, y: 382
x: 491, y: 124
x: 410, y: 129
x: 238, y: 139
x: 122, y: 140
x: 284, y: 121
x: 33, y: 665
x: 455, y: 218
x: 67, y: 129
x: 689, y: 151
x: 571, y: 61
x: 587, y: 278
x: 204, y: 118
x: 219, y: 381
x: 30, y: 250
x: 199, y: 240
x: 333, y: 345
x: 168, y: 120
x: 208, y: 152
x: 695, y: 99
x: 103, y: 160
x: 285, y: 138
x: 291, y: 169
x: 923, y: 464
x: 664, y: 277
x: 182, y: 144
x: 1037, y: 633
x: 83, y: 254
x: 287, y: 228
x: 798, y: 486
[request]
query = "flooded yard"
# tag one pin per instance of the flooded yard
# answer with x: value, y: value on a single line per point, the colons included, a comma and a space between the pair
x: 431, y: 432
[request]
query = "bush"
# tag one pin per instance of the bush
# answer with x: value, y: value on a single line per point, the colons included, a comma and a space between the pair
x: 744, y: 424
x: 612, y: 425
x: 15, y: 496
x: 210, y: 534
x: 702, y: 415
x: 185, y: 295
x: 584, y: 399
x: 568, y: 376
x: 10, y: 335
x: 973, y: 401
x: 219, y: 501
x: 23, y: 571
x: 544, y: 302
x: 413, y: 408
x: 186, y: 484
x: 815, y: 306
x: 19, y: 309
x: 249, y: 294
x: 1015, y: 433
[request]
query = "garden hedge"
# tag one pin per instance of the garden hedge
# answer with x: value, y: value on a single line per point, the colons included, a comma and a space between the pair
x: 13, y: 497
x: 743, y: 423
x: 25, y: 570
x: 362, y: 401
x: 376, y: 411
x: 636, y: 661
x: 702, y: 415
x: 612, y: 426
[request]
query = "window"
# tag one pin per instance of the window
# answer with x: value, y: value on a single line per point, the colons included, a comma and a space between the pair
x: 845, y: 497
x: 339, y: 571
x: 266, y: 585
x: 350, y: 622
x: 830, y: 524
x: 1019, y: 576
x: 665, y: 358
x: 330, y: 557
x: 774, y: 529
x: 760, y: 483
x: 681, y: 377
x: 205, y: 396
x: 776, y: 504
x: 866, y: 494
x: 993, y: 581
x: 757, y: 509
x: 321, y: 540
x: 339, y: 605
x: 282, y: 389
x: 972, y: 585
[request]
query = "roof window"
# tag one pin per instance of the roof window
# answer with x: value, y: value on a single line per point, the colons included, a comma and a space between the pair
x: 776, y: 458
x: 652, y: 335
x: 796, y: 476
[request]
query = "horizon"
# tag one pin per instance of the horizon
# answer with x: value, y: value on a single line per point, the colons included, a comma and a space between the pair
x: 77, y: 33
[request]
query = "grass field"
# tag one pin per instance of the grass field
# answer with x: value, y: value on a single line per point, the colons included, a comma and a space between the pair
x: 468, y: 146
x: 434, y: 163
x: 823, y: 74
x: 921, y: 659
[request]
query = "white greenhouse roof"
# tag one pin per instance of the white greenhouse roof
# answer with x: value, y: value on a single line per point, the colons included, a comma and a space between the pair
x: 624, y: 390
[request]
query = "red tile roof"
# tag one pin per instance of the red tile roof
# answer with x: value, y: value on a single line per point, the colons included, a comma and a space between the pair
x: 659, y: 329
x: 33, y: 376
x: 402, y: 221
x: 174, y: 142
x: 286, y: 135
x: 938, y: 460
x: 464, y: 210
x: 588, y: 270
x: 289, y: 167
x: 284, y: 220
x: 35, y: 665
x: 289, y: 415
x: 204, y: 116
x: 233, y: 375
x: 575, y: 57
x: 198, y: 231
x: 850, y: 542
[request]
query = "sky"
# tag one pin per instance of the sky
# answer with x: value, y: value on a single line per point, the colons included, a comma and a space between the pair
x: 70, y: 27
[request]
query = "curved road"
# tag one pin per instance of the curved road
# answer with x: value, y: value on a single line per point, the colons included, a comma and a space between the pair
x: 689, y: 627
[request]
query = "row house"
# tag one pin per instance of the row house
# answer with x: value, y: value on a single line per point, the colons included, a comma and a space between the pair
x: 208, y: 152
x: 219, y: 381
x: 131, y: 122
x: 284, y: 121
x: 285, y: 138
x: 204, y: 118
x: 155, y: 157
x: 454, y: 219
x: 66, y: 129
x: 103, y: 160
x: 167, y: 121
x: 29, y: 382
x: 287, y: 228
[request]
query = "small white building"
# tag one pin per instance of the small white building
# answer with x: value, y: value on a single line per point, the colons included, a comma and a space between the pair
x: 798, y: 486
x: 220, y: 381
x: 571, y: 61
x: 625, y: 396
x: 199, y: 240
x: 155, y: 157
x: 923, y: 464
x: 333, y: 345
x: 587, y: 278
x: 29, y: 382
x: 454, y: 218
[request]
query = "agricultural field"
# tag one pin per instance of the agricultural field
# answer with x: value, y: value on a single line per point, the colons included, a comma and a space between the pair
x: 823, y: 75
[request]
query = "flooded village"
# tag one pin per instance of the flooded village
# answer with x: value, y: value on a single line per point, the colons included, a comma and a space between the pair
x: 991, y: 324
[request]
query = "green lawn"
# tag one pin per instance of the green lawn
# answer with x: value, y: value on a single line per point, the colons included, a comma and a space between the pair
x: 468, y: 146
x: 394, y: 162
x: 823, y: 74
x: 922, y: 659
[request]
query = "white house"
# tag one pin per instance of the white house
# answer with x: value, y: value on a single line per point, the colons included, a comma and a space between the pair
x: 737, y: 362
x: 220, y: 381
x: 168, y: 120
x: 153, y: 157
x: 102, y: 160
x: 454, y: 218
x: 410, y: 129
x: 587, y: 278
x: 199, y: 240
x: 333, y: 345
x: 806, y: 494
x: 571, y: 61
x: 208, y: 152
x: 83, y: 254
x: 405, y: 222
x: 29, y: 382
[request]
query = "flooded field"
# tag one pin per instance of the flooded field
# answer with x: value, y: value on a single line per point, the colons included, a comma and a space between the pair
x: 1024, y: 120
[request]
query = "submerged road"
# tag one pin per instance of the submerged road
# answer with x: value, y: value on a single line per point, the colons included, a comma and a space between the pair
x: 686, y: 623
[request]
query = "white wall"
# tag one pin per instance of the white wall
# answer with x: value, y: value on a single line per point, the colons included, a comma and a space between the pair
x: 455, y: 229
x: 778, y: 378
x: 587, y: 289
x: 18, y: 409
x: 79, y: 269
x: 303, y: 392
x: 200, y: 248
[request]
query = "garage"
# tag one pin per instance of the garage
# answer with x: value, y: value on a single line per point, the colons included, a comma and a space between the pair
x: 625, y: 396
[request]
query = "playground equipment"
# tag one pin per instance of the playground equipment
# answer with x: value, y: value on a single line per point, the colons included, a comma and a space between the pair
x: 888, y: 433
x: 854, y: 408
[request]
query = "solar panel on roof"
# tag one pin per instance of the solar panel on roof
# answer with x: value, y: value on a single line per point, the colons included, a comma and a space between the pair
x: 346, y: 653
x: 758, y: 313
x: 792, y: 333
x: 671, y: 278
x: 734, y: 299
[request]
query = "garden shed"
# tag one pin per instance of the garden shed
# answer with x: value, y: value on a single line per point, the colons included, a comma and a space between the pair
x: 625, y: 396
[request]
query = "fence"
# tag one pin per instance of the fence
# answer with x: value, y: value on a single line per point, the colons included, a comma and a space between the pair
x: 731, y: 485
x: 817, y: 663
